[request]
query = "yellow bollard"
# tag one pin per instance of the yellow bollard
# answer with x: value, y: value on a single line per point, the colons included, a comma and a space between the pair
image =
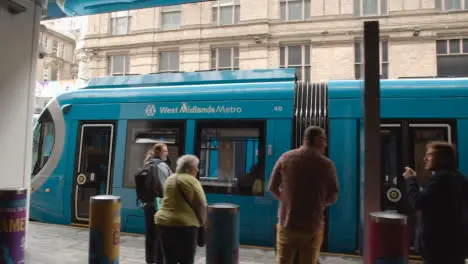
x: 104, y: 229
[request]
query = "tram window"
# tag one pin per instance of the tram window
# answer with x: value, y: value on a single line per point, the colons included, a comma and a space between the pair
x: 232, y: 157
x: 141, y: 137
x: 420, y: 135
x: 43, y: 141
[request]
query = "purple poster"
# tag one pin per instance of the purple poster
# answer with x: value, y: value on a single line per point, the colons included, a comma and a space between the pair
x: 12, y: 226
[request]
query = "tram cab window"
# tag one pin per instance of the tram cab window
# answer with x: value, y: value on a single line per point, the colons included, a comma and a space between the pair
x: 420, y: 135
x: 232, y: 157
x: 141, y: 137
x: 43, y: 141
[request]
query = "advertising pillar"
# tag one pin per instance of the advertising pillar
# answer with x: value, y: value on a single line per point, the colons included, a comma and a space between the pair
x: 13, y: 225
x: 104, y: 229
x: 222, y: 245
x: 388, y: 239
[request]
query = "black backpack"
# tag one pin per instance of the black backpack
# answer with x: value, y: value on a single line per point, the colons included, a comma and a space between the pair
x: 144, y: 182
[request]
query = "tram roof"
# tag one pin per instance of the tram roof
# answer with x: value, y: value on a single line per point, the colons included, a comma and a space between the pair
x: 271, y: 84
x: 402, y: 88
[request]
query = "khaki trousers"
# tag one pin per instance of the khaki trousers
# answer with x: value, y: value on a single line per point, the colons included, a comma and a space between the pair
x: 295, y: 247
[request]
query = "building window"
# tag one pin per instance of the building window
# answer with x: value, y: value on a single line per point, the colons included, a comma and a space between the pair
x: 294, y: 10
x: 118, y: 65
x: 297, y: 57
x: 226, y: 12
x: 359, y: 59
x: 171, y: 17
x: 452, y: 58
x: 225, y: 58
x: 450, y: 5
x: 370, y: 7
x: 120, y: 23
x: 53, y: 73
x: 169, y: 61
x: 55, y: 47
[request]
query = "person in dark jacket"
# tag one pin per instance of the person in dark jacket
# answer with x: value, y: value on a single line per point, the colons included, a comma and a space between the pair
x: 440, y: 203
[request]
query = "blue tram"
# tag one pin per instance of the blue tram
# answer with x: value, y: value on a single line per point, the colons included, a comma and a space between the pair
x: 91, y: 141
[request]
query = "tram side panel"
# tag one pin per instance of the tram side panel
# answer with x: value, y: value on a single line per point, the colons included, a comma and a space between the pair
x: 343, y: 215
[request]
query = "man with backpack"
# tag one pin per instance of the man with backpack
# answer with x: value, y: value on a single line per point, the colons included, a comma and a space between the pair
x: 149, y: 181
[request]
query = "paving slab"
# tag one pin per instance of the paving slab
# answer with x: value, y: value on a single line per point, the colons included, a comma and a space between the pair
x: 57, y: 244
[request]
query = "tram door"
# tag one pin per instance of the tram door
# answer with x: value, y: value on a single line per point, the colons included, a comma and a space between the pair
x: 93, y: 166
x: 404, y: 144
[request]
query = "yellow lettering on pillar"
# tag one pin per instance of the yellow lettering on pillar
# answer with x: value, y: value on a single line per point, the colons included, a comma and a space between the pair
x: 4, y: 226
x: 14, y: 225
x: 22, y: 224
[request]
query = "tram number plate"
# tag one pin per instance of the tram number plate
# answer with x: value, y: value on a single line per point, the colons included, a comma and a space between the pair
x: 278, y: 108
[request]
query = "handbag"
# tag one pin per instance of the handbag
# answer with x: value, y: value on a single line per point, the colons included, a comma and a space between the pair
x: 201, y: 232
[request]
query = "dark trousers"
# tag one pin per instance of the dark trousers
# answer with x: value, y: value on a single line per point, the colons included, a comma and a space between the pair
x: 179, y: 244
x: 153, y: 247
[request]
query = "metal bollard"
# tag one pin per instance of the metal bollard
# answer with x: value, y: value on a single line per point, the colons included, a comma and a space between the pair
x: 222, y: 245
x: 104, y: 229
x: 13, y: 225
x: 388, y: 239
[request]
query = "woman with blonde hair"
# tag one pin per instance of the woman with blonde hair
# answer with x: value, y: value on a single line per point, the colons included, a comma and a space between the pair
x: 182, y: 213
x: 159, y: 171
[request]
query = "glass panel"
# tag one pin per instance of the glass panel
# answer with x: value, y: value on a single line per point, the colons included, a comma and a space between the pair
x: 118, y: 63
x: 236, y: 14
x: 170, y: 20
x: 454, y: 46
x: 231, y: 158
x: 452, y: 66
x: 142, y: 135
x: 357, y: 52
x: 295, y: 10
x: 294, y: 55
x: 307, y: 73
x: 121, y: 25
x: 384, y: 73
x: 384, y: 51
x: 357, y: 71
x: 94, y: 162
x: 236, y: 58
x: 383, y: 7
x: 283, y: 11
x: 441, y: 46
x: 465, y: 46
x: 452, y: 4
x: 225, y: 56
x: 438, y: 4
x: 226, y: 15
x: 298, y: 71
x: 420, y: 136
x: 307, y: 54
x: 370, y: 7
x: 391, y: 164
x: 169, y: 61
x: 307, y: 9
x: 213, y: 58
x: 282, y: 56
x: 214, y: 14
x: 357, y: 7
x: 466, y: 5
x: 43, y: 141
x: 53, y: 73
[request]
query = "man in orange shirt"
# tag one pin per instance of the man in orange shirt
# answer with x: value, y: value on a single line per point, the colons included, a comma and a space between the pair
x: 305, y: 183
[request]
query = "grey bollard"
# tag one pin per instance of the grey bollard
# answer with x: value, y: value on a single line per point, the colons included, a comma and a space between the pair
x: 222, y: 245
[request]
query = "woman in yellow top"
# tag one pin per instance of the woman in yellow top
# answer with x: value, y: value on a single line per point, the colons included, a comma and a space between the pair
x: 177, y: 220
